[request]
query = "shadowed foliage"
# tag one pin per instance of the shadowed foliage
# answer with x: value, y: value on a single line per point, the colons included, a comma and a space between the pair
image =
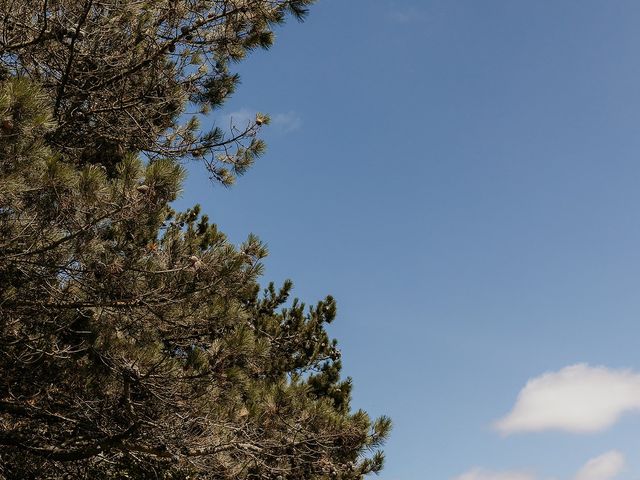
x: 135, y: 341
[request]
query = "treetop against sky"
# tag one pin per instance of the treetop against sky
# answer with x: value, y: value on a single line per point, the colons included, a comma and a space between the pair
x: 463, y: 178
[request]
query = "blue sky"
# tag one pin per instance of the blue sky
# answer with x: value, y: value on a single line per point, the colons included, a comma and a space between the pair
x: 464, y: 178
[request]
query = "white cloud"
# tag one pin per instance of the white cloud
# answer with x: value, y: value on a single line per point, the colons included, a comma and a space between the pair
x: 405, y: 14
x: 239, y: 119
x: 481, y: 474
x: 401, y: 17
x: 576, y: 399
x: 604, y: 467
x: 282, y: 122
x: 286, y: 122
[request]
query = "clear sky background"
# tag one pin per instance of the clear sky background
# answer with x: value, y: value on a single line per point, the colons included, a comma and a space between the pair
x: 464, y: 177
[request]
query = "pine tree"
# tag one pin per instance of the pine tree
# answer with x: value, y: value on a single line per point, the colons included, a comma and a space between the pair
x: 122, y: 73
x: 135, y: 341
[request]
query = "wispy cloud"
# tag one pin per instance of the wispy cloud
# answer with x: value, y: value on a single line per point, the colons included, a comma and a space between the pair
x: 403, y: 14
x: 238, y: 119
x: 577, y: 399
x: 482, y: 474
x: 286, y: 122
x: 604, y: 467
x: 283, y: 122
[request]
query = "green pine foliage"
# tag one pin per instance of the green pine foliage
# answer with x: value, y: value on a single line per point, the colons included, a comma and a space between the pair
x: 134, y: 76
x: 135, y: 341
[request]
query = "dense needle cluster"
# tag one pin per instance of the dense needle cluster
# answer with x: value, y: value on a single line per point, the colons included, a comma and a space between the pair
x: 134, y: 340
